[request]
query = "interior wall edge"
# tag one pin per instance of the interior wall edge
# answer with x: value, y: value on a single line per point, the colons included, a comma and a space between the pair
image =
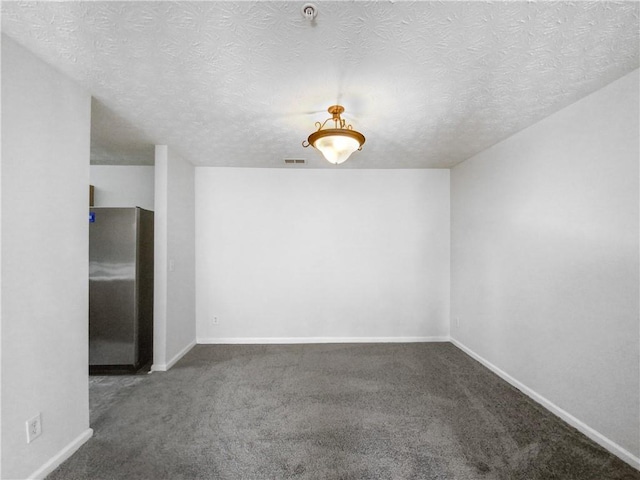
x: 45, y: 259
x: 576, y: 423
x: 60, y: 457
x: 160, y: 255
x: 163, y: 367
x: 180, y: 218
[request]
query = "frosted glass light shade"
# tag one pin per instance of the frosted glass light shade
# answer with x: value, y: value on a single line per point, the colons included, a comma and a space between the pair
x: 336, y: 148
x: 335, y: 144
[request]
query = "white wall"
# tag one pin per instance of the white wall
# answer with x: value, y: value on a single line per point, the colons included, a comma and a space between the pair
x: 321, y: 255
x: 122, y: 185
x: 174, y: 292
x: 545, y: 261
x: 45, y: 178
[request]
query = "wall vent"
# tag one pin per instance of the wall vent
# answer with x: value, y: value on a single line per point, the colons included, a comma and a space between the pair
x: 295, y: 161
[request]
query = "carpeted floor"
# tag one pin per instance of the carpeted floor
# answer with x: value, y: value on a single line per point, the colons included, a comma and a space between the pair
x: 363, y: 411
x: 105, y: 391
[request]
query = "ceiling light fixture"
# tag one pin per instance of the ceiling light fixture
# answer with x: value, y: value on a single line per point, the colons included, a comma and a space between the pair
x: 338, y: 143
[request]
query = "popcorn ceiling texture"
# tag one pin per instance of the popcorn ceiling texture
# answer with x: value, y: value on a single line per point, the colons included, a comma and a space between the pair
x: 242, y: 83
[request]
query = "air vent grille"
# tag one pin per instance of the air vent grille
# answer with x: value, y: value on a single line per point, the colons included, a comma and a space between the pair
x: 294, y: 161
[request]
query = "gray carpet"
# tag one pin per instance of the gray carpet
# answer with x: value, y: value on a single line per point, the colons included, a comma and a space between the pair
x: 383, y: 411
x: 105, y: 391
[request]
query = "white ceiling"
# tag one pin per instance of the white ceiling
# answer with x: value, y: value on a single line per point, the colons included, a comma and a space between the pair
x: 233, y: 83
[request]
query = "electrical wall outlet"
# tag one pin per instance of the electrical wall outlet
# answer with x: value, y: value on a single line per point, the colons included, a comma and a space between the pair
x: 34, y: 428
x: 457, y: 321
x: 214, y: 321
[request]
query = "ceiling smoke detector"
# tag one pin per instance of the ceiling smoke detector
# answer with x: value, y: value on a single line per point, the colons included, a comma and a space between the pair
x: 309, y: 11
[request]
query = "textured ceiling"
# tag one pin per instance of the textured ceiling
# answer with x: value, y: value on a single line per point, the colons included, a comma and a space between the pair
x: 242, y: 83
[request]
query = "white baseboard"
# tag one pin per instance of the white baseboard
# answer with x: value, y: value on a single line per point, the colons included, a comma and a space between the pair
x: 594, y: 435
x: 304, y: 340
x: 58, y: 459
x: 163, y: 367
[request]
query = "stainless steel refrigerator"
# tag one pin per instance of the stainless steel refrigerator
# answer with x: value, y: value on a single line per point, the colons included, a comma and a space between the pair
x: 120, y: 289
